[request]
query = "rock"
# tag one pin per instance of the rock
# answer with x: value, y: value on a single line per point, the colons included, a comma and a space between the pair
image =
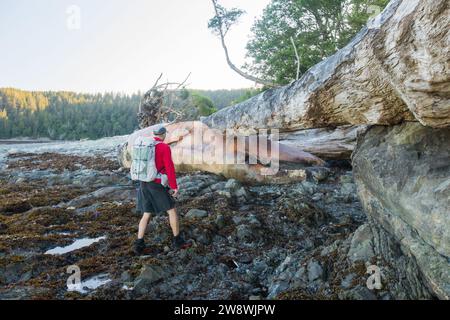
x: 196, y: 213
x: 220, y: 221
x: 26, y: 276
x: 15, y: 272
x: 380, y: 77
x: 253, y: 221
x: 385, y: 296
x: 149, y: 275
x: 237, y: 219
x: 224, y: 193
x: 217, y: 186
x: 347, y: 281
x: 244, y: 232
x: 241, y: 193
x: 315, y: 271
x: 20, y: 180
x: 201, y: 236
x: 24, y: 293
x: 118, y: 193
x: 125, y: 276
x: 260, y: 267
x: 308, y: 187
x: 232, y: 185
x: 331, y: 248
x: 348, y: 189
x: 402, y: 174
x: 3, y: 227
x: 346, y: 178
x: 254, y: 298
x: 320, y: 174
x: 361, y: 247
x: 361, y: 293
x: 277, y: 288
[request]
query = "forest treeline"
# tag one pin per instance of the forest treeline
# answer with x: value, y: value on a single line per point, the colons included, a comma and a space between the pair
x: 72, y: 116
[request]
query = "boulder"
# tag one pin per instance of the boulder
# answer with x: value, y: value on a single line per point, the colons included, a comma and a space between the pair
x: 196, y: 213
x: 395, y: 69
x: 360, y: 293
x: 361, y: 247
x: 402, y: 174
x: 315, y: 271
x: 244, y: 233
x: 118, y: 193
x: 150, y: 275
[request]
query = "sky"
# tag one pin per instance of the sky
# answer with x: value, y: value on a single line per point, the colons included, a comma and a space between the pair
x: 118, y: 45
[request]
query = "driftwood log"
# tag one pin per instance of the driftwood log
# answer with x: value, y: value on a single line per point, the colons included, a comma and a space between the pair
x: 195, y: 147
x: 396, y: 69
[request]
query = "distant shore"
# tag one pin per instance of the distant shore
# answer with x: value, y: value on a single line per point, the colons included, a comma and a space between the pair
x: 23, y: 141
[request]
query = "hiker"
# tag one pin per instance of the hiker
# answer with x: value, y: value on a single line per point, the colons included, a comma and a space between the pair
x: 152, y: 161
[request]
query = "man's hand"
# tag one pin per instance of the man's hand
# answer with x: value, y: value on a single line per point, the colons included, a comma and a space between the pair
x: 174, y: 193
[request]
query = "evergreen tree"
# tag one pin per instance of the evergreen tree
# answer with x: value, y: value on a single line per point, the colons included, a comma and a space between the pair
x: 317, y: 28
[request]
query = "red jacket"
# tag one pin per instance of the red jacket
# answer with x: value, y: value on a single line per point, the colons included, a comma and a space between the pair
x: 164, y: 163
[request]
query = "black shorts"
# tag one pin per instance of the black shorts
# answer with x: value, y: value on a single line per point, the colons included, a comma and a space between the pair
x: 153, y: 198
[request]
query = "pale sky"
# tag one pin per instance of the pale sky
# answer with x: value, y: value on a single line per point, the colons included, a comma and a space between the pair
x: 120, y: 45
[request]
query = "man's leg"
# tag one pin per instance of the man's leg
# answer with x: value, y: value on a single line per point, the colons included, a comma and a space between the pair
x: 139, y: 244
x: 178, y: 241
x: 143, y: 225
x: 174, y: 222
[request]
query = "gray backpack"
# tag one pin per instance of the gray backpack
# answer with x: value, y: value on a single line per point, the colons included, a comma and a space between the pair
x: 143, y: 166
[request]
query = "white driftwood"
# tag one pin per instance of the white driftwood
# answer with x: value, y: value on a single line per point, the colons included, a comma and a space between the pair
x: 395, y: 69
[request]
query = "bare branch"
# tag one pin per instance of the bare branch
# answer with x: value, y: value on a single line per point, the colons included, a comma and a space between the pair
x: 297, y: 57
x: 157, y: 80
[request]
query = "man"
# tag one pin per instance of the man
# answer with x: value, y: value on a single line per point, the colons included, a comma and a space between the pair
x: 154, y: 197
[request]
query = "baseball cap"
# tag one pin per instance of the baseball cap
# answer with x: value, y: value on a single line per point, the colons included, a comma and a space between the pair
x: 159, y: 131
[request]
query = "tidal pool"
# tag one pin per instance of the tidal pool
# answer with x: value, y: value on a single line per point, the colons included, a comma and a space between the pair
x: 78, y: 244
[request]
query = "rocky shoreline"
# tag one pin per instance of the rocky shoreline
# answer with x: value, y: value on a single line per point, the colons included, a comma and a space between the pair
x: 315, y: 230
x: 290, y: 241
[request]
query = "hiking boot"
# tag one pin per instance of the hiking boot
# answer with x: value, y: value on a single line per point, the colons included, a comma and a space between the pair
x: 178, y: 243
x: 139, y: 246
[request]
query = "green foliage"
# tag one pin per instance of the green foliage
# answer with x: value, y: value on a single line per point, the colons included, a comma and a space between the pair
x: 249, y: 93
x: 318, y: 27
x: 224, y: 97
x: 224, y: 19
x: 203, y: 104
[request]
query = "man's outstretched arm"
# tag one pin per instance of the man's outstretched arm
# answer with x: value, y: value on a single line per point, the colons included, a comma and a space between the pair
x: 170, y: 169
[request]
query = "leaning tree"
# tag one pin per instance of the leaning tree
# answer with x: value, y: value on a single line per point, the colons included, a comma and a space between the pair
x: 220, y: 24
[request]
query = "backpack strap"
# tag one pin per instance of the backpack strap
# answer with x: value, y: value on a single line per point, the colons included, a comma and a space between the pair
x: 158, y: 174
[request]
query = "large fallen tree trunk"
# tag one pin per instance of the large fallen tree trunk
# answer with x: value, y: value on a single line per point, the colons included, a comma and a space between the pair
x: 325, y: 143
x: 195, y: 147
x: 395, y: 69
